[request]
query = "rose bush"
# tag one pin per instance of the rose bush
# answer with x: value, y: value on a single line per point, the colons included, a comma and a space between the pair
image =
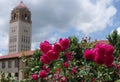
x: 70, y: 61
x: 101, y: 54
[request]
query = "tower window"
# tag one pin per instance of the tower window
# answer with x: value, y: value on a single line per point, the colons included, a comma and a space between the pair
x: 14, y: 16
x: 26, y: 17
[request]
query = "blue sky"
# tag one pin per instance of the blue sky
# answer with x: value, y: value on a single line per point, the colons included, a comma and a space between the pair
x: 52, y: 19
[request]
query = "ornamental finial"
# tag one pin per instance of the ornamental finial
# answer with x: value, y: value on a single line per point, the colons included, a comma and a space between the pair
x: 21, y: 1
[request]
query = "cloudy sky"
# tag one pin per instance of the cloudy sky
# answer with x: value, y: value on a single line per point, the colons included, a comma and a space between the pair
x: 52, y: 19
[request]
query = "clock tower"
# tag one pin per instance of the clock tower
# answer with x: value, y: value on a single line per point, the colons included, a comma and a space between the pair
x: 20, y: 29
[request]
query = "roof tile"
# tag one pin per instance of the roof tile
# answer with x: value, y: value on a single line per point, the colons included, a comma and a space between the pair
x: 16, y: 55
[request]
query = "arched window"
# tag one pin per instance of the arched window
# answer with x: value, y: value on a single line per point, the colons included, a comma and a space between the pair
x: 26, y: 17
x: 14, y: 16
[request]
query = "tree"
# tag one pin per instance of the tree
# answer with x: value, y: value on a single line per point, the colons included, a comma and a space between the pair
x: 114, y: 39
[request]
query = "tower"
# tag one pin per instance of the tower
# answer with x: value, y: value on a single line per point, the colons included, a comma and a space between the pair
x: 20, y: 29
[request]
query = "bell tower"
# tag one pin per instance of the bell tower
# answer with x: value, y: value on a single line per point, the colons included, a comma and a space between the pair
x: 20, y: 27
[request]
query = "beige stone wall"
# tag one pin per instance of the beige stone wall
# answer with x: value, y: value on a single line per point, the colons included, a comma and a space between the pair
x: 14, y: 69
x: 11, y: 70
x: 20, y: 30
x: 24, y: 26
x: 22, y: 66
x: 13, y: 34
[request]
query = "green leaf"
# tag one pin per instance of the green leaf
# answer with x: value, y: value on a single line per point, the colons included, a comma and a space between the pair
x: 117, y: 80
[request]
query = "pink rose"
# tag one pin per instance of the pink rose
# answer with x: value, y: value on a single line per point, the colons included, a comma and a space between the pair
x: 101, y: 48
x: 65, y: 64
x: 74, y: 70
x: 44, y: 58
x: 111, y: 65
x: 99, y: 45
x: 105, y: 49
x: 57, y: 47
x: 109, y: 60
x: 109, y: 50
x: 65, y: 43
x: 34, y: 77
x: 45, y: 46
x: 99, y: 59
x: 68, y: 56
x: 118, y: 66
x: 42, y: 73
x: 57, y: 76
x: 63, y: 79
x: 89, y: 54
x: 52, y: 55
x: 104, y: 54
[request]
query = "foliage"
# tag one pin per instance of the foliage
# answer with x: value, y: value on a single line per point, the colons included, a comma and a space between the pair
x: 70, y: 64
x: 114, y: 39
x: 7, y: 77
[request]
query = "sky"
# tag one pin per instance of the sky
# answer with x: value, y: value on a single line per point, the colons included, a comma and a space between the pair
x: 54, y: 19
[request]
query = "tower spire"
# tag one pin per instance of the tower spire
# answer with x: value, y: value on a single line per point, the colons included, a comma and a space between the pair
x: 21, y: 5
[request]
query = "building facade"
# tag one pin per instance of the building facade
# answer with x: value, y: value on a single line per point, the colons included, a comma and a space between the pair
x: 20, y: 29
x: 13, y: 64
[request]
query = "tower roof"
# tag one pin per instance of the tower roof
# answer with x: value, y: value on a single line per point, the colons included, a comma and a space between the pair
x: 21, y: 5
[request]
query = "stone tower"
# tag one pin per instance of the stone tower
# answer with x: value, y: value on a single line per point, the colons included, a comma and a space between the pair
x: 20, y: 29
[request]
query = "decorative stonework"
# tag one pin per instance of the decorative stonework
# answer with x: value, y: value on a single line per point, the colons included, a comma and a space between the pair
x: 20, y: 14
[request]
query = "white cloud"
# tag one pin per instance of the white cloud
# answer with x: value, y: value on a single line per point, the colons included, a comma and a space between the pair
x: 54, y: 38
x: 3, y: 41
x: 94, y: 17
x: 1, y: 54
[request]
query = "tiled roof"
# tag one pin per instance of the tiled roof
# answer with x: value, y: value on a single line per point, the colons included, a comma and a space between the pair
x: 16, y: 55
x: 101, y: 41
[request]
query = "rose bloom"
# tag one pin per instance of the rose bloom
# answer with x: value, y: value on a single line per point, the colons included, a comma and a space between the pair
x: 105, y: 48
x: 45, y: 46
x: 99, y: 45
x: 101, y: 48
x: 68, y: 56
x: 65, y: 64
x: 104, y: 54
x: 63, y: 79
x: 99, y: 59
x: 89, y: 54
x: 109, y: 50
x: 57, y: 47
x: 118, y: 66
x: 65, y: 43
x: 109, y: 60
x: 34, y: 77
x: 42, y: 74
x: 44, y: 58
x: 56, y: 76
x: 111, y: 65
x: 74, y: 70
x: 52, y: 55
